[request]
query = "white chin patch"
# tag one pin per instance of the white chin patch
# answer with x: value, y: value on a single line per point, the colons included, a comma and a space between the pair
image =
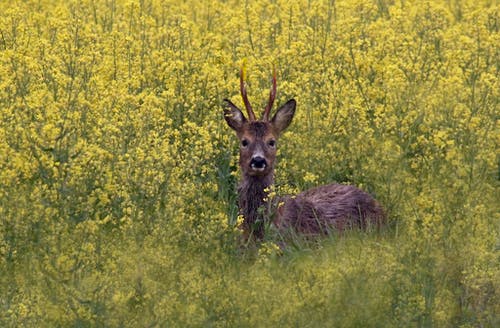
x: 258, y: 169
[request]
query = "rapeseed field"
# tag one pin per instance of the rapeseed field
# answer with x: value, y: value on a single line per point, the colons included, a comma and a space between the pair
x: 118, y: 173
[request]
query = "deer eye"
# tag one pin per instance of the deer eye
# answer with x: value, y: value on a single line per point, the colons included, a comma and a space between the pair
x: 244, y: 143
x: 271, y: 143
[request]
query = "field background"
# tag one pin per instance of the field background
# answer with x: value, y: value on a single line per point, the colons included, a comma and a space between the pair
x: 118, y: 173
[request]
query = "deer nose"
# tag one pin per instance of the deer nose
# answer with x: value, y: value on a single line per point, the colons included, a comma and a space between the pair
x: 258, y: 163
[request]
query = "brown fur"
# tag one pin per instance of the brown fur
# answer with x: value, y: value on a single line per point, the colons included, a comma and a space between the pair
x: 258, y: 135
x: 334, y: 206
x: 252, y: 193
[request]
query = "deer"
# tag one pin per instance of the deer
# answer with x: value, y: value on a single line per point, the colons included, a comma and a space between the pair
x: 317, y: 211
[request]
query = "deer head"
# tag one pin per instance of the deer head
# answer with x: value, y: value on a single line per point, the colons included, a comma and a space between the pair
x: 258, y: 138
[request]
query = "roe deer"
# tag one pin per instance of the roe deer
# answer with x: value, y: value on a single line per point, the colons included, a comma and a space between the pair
x: 315, y: 211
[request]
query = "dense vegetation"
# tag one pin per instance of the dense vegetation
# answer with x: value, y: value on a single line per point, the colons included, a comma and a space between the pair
x: 118, y: 173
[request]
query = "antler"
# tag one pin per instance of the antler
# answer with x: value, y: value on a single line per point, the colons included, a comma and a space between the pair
x: 251, y: 115
x: 272, y: 95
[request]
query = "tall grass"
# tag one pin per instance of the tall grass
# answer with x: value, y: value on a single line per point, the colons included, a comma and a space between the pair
x: 118, y: 174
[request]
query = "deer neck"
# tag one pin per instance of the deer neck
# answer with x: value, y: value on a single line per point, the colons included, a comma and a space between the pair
x: 253, y: 191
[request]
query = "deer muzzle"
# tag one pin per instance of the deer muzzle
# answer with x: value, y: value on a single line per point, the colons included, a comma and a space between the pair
x: 258, y: 163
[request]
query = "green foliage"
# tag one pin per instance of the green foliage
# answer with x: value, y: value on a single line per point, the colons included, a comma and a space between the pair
x: 118, y: 173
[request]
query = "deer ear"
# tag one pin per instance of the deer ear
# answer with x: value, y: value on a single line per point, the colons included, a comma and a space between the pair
x: 283, y: 117
x: 233, y: 116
